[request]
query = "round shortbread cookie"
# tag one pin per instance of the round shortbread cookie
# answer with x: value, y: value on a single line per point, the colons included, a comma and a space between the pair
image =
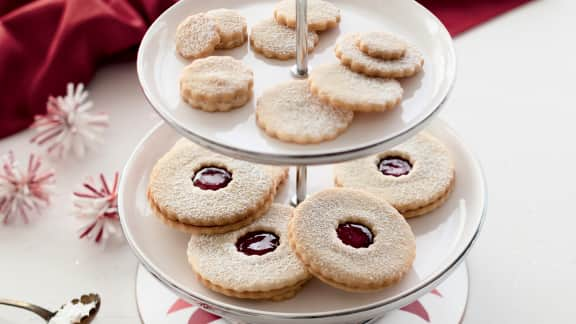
x: 231, y: 26
x: 254, y: 262
x: 321, y: 14
x: 193, y: 186
x: 277, y: 41
x: 415, y: 177
x: 216, y: 83
x: 352, y: 240
x: 288, y: 111
x: 350, y: 55
x: 381, y: 45
x: 337, y: 86
x: 197, y: 36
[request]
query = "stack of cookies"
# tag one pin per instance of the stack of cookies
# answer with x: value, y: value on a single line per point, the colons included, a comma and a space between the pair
x: 354, y: 238
x: 323, y: 108
x: 276, y: 37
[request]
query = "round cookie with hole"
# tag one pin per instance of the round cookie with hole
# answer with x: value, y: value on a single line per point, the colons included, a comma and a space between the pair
x: 197, y: 191
x: 352, y: 240
x: 416, y: 177
x: 254, y: 262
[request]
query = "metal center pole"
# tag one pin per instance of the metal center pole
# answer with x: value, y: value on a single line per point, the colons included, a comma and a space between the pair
x: 301, y: 184
x: 300, y: 70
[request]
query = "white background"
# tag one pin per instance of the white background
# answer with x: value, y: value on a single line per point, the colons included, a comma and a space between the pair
x: 513, y: 104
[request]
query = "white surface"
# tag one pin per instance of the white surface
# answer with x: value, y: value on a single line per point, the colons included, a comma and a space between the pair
x: 154, y: 300
x: 159, y: 68
x: 441, y: 239
x: 512, y: 104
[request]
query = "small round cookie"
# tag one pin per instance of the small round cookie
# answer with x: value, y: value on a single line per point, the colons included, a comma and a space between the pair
x: 195, y: 190
x: 197, y: 36
x: 350, y: 55
x: 216, y: 83
x: 277, y: 41
x: 231, y: 26
x: 337, y: 86
x: 321, y: 14
x: 289, y: 112
x: 254, y: 262
x: 381, y: 45
x: 352, y: 240
x: 416, y: 177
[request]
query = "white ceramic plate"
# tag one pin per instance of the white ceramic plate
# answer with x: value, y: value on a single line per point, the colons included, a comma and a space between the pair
x: 235, y: 133
x: 443, y: 238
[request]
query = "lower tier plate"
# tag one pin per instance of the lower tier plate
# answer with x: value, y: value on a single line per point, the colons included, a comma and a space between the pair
x: 443, y: 238
x: 444, y: 305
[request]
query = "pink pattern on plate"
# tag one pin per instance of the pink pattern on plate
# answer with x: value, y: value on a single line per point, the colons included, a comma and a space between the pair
x: 200, y: 316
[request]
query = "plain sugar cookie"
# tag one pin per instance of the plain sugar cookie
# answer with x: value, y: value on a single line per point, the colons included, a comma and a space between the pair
x: 336, y: 85
x: 216, y: 83
x: 277, y: 41
x: 231, y: 27
x: 381, y: 45
x: 197, y: 36
x: 254, y: 262
x: 352, y: 240
x: 321, y: 14
x: 416, y: 177
x: 350, y: 55
x: 288, y: 111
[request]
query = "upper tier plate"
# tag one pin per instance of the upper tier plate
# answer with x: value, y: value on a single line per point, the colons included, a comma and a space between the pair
x: 236, y: 134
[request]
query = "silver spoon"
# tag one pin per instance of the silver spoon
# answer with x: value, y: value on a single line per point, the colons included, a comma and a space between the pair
x: 77, y: 311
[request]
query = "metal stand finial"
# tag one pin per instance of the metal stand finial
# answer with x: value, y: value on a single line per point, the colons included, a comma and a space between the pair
x: 300, y: 70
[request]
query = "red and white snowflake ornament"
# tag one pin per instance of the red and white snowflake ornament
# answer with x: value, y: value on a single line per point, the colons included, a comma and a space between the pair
x: 98, y: 206
x: 68, y: 124
x: 23, y: 191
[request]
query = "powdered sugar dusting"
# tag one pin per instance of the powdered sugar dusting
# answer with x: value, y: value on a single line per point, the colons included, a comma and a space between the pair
x: 381, y: 45
x: 321, y: 14
x: 337, y: 85
x: 173, y: 192
x: 350, y: 55
x: 277, y: 41
x: 197, y: 36
x: 313, y: 232
x: 431, y: 176
x: 290, y: 112
x: 232, y: 27
x: 215, y: 258
x: 217, y: 83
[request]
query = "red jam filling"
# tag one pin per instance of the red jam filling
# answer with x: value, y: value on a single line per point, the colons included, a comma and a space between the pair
x: 257, y: 243
x: 211, y: 178
x: 394, y: 166
x: 355, y: 235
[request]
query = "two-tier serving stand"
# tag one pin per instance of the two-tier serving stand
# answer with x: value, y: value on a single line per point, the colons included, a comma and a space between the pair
x: 443, y: 237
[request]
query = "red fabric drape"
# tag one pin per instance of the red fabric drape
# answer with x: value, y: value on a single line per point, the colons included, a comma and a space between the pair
x: 45, y: 44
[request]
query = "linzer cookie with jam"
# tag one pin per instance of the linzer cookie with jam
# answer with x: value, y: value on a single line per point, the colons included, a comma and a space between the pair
x: 416, y: 177
x: 197, y: 191
x: 254, y: 262
x: 352, y: 240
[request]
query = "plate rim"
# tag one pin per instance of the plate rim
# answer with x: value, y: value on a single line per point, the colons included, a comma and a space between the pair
x: 295, y: 158
x: 390, y: 303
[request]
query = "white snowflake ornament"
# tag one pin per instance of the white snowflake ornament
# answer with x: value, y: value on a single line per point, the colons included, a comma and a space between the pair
x: 98, y: 207
x: 68, y: 124
x: 23, y: 191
